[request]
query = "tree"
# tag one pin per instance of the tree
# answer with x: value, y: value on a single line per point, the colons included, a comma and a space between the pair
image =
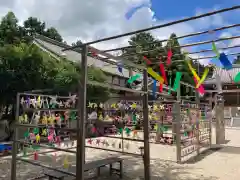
x: 79, y: 42
x: 33, y: 25
x: 9, y: 30
x: 147, y: 45
x: 53, y: 34
x: 142, y: 48
x: 26, y: 67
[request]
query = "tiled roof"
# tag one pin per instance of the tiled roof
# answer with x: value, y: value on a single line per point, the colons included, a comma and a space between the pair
x: 55, y: 48
x: 226, y: 76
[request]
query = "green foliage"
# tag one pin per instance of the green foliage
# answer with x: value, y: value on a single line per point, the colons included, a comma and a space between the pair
x: 9, y: 30
x: 142, y: 48
x: 53, y: 34
x: 79, y: 42
x: 32, y: 26
x: 24, y: 67
x: 145, y: 44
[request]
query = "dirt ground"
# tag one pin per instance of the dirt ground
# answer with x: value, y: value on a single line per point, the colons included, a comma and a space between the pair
x: 212, y: 165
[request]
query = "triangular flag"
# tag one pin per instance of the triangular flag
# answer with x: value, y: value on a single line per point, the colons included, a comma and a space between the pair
x: 237, y: 78
x: 154, y: 89
x: 225, y: 62
x: 214, y: 48
x: 206, y: 70
x: 169, y: 56
x: 119, y: 66
x: 177, y: 81
x: 163, y: 72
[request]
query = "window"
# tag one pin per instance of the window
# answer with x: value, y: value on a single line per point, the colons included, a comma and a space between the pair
x: 122, y: 82
x: 115, y: 80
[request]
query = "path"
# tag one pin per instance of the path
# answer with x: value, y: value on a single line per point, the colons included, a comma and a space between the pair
x: 219, y: 165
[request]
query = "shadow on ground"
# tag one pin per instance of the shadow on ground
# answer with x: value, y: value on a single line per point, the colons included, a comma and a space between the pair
x: 160, y: 170
x: 133, y: 168
x: 202, y: 155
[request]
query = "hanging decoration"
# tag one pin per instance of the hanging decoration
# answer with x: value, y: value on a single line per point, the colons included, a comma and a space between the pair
x: 155, y: 75
x: 237, y: 78
x: 192, y: 70
x: 133, y: 78
x: 195, y: 77
x: 169, y: 56
x: 154, y: 88
x: 120, y: 67
x: 214, y: 49
x: 200, y: 89
x: 225, y: 62
x: 163, y: 73
x: 177, y: 81
x: 148, y: 62
x: 206, y: 70
x: 160, y: 87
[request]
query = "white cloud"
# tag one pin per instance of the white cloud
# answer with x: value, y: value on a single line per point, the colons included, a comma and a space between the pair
x: 91, y: 19
x: 235, y: 42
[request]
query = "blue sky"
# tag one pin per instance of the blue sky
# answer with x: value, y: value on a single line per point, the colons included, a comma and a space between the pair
x: 169, y: 10
x: 175, y: 8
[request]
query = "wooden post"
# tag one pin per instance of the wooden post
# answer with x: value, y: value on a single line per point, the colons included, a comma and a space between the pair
x: 220, y: 122
x: 197, y: 123
x: 209, y: 115
x: 177, y: 122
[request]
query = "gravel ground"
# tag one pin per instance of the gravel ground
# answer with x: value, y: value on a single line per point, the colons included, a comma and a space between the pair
x: 212, y: 165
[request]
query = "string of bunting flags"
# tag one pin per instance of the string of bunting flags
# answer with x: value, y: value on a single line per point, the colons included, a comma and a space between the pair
x: 162, y: 79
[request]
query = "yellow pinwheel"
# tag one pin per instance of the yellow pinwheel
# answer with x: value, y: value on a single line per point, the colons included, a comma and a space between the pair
x: 21, y: 119
x: 44, y: 120
x: 39, y: 101
x: 134, y: 106
x: 90, y: 105
x: 155, y: 108
x: 100, y: 117
x: 37, y: 138
x: 101, y: 105
x: 65, y: 162
x: 44, y: 132
x: 25, y: 118
x: 113, y: 106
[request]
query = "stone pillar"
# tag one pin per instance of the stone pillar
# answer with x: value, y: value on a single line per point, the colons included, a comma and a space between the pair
x: 220, y: 122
